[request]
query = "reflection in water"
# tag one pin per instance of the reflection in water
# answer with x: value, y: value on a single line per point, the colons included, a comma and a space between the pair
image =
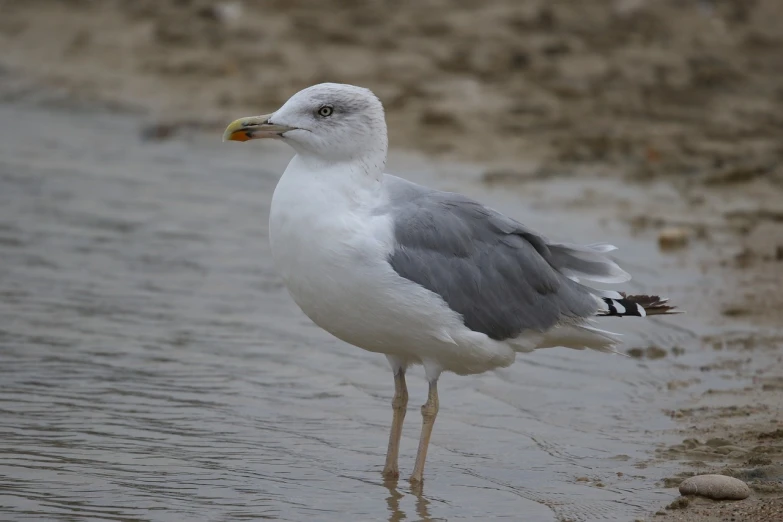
x: 393, y: 501
x: 422, y: 505
x: 152, y: 365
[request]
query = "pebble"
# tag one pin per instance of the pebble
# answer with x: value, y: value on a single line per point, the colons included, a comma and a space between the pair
x: 716, y: 487
x: 673, y: 237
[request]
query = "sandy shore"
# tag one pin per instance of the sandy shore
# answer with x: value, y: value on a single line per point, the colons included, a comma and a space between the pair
x: 736, y: 432
x: 686, y: 95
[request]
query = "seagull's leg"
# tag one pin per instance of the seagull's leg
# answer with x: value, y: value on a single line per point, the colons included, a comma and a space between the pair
x: 399, y: 406
x: 428, y: 413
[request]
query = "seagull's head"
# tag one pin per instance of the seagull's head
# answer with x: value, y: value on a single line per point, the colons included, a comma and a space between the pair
x: 331, y: 121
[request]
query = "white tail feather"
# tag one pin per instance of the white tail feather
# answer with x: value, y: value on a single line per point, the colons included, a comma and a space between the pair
x: 579, y: 337
x: 611, y: 294
x: 602, y: 247
x: 587, y: 262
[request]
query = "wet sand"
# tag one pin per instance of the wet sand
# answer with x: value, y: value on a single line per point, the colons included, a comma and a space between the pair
x: 154, y: 368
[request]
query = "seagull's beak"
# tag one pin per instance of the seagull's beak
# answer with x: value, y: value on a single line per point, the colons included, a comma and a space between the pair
x: 253, y: 128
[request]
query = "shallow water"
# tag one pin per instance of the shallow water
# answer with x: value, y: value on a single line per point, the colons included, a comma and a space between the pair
x: 152, y: 367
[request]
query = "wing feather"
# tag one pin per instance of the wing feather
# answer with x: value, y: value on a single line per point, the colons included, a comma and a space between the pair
x: 501, y: 277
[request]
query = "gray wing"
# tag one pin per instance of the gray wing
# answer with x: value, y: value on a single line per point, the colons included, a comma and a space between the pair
x: 501, y: 277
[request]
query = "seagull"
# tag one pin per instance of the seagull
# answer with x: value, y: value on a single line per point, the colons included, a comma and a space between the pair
x: 422, y: 276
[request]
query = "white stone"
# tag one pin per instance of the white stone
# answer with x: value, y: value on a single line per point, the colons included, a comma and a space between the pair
x: 716, y: 487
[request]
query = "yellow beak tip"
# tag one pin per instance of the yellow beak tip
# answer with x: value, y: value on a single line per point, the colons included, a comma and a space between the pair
x: 253, y: 127
x: 235, y: 136
x: 236, y: 131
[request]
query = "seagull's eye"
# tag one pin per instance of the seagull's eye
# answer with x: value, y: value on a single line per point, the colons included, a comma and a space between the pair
x: 325, y: 111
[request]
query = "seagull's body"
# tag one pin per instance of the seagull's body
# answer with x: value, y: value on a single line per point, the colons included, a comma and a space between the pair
x: 332, y: 237
x: 420, y: 275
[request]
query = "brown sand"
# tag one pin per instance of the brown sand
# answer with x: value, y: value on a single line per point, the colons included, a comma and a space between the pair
x: 688, y: 92
x: 682, y: 88
x: 737, y: 433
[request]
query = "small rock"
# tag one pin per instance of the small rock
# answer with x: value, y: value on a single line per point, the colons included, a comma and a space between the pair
x: 716, y: 487
x: 673, y: 237
x: 636, y: 353
x: 735, y: 311
x: 651, y: 352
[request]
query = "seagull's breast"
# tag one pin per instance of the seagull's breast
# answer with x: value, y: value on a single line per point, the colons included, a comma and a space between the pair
x: 331, y: 246
x: 331, y: 251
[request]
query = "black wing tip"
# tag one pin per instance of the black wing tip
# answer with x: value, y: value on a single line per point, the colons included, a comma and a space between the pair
x: 637, y: 306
